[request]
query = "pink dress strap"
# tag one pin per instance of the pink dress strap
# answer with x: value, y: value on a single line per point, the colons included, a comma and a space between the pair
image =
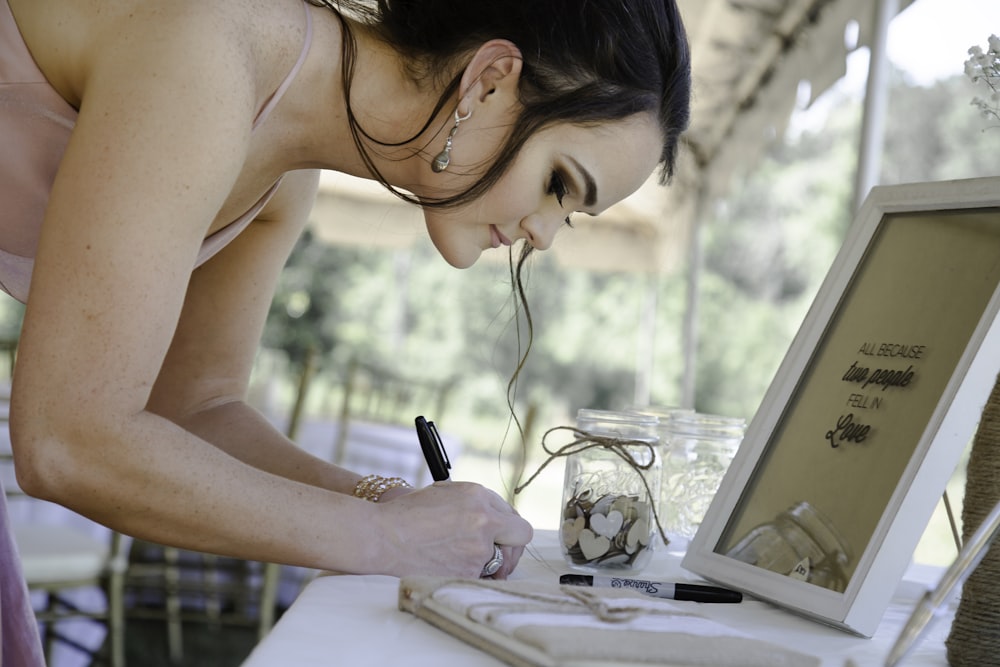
x: 279, y: 92
x: 220, y: 239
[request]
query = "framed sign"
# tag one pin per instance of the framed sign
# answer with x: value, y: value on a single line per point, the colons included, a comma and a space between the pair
x: 870, y: 411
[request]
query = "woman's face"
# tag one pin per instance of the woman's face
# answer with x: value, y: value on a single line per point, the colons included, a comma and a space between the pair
x: 562, y: 170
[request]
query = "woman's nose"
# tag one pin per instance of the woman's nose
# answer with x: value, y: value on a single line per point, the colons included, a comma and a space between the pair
x: 541, y: 229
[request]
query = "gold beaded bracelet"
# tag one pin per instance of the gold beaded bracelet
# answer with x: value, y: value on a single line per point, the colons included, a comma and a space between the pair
x: 371, y: 487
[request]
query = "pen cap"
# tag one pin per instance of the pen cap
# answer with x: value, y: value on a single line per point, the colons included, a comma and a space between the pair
x: 610, y: 486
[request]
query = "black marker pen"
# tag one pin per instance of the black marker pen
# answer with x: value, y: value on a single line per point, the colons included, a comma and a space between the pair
x: 657, y: 589
x: 433, y: 448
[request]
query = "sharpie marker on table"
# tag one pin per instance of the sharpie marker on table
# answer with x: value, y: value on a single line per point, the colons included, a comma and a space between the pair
x: 657, y: 589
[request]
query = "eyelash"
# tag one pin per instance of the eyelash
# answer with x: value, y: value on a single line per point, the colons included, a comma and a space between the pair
x: 557, y: 187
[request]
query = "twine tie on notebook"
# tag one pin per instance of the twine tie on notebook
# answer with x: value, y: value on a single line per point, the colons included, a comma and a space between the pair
x: 574, y: 601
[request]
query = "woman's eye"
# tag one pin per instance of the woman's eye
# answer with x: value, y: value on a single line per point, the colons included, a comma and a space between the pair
x: 557, y: 187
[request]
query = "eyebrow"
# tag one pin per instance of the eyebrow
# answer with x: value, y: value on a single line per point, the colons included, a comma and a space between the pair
x: 590, y: 191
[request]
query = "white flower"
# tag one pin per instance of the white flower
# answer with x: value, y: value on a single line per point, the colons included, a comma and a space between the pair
x: 985, y: 67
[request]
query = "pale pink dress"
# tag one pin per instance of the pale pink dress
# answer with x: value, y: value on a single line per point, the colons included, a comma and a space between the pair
x: 35, y: 126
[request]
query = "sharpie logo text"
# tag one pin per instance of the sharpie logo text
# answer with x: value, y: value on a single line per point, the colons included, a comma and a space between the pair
x: 648, y: 587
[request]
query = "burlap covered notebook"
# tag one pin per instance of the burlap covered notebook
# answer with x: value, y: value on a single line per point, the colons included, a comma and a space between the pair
x: 527, y: 624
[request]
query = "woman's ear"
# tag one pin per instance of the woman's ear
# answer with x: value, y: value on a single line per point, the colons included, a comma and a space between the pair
x: 495, y: 67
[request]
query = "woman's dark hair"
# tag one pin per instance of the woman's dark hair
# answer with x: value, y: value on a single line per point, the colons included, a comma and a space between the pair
x: 584, y: 61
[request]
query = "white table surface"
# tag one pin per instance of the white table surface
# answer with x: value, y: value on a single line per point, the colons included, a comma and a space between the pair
x: 354, y: 620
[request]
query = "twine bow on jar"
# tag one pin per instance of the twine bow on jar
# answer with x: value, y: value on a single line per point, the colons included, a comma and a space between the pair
x: 620, y: 447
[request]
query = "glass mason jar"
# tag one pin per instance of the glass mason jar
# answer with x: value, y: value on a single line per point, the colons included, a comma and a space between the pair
x: 607, y: 517
x: 800, y: 542
x: 698, y: 450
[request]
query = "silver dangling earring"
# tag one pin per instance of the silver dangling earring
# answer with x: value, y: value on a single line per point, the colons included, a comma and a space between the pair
x: 443, y: 159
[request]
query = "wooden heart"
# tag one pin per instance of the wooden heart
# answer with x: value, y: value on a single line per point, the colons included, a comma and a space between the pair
x: 571, y: 531
x: 624, y: 504
x: 603, y: 505
x: 607, y: 525
x: 593, y: 546
x: 638, y: 535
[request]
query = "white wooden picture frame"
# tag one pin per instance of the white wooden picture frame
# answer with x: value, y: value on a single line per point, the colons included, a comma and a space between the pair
x: 868, y: 415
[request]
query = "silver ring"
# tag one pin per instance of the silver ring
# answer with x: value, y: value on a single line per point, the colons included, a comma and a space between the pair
x: 494, y: 564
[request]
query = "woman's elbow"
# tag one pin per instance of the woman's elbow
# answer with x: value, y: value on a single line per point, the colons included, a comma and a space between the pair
x: 46, y: 465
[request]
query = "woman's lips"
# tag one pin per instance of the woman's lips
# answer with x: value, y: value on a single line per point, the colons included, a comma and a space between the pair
x: 497, y: 238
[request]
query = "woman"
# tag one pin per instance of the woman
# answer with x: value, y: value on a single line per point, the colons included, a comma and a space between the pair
x: 150, y: 138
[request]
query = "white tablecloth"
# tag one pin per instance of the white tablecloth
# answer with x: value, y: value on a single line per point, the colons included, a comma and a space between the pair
x: 354, y: 620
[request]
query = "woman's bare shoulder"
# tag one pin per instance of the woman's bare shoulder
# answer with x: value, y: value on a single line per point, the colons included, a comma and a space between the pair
x: 69, y: 39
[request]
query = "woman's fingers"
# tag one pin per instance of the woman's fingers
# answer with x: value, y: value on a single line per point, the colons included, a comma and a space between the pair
x: 449, y: 528
x: 511, y: 557
x: 513, y: 531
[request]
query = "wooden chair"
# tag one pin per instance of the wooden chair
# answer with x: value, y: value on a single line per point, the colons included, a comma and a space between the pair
x: 63, y: 558
x: 58, y: 561
x: 179, y: 587
x: 375, y: 431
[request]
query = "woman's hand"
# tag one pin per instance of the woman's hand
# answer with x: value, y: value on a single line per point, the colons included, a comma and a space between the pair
x: 449, y: 528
